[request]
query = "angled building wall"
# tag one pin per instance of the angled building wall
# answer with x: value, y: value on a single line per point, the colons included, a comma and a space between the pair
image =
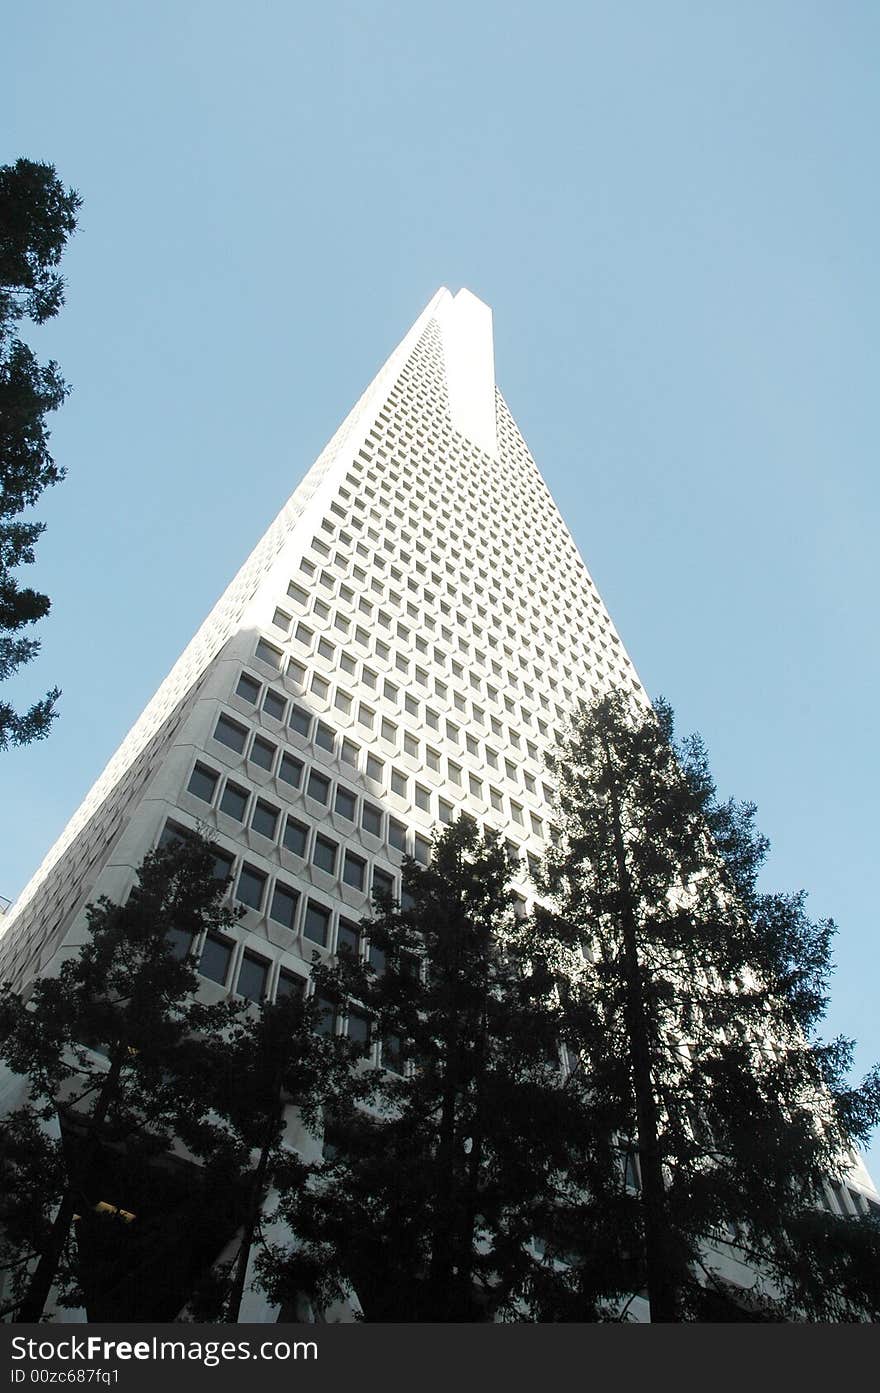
x: 402, y: 644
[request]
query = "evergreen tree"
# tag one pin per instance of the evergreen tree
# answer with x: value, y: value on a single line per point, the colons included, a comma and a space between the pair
x: 37, y: 215
x: 115, y: 1047
x: 276, y: 1077
x: 438, y: 1181
x: 695, y: 1026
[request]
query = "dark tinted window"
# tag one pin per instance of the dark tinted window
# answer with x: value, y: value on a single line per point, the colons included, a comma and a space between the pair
x: 296, y: 836
x: 202, y: 782
x: 299, y: 720
x: 251, y: 884
x: 234, y: 801
x: 324, y: 737
x: 324, y: 855
x: 317, y: 923
x: 215, y: 959
x: 262, y: 752
x: 252, y: 977
x: 230, y: 733
x: 290, y: 770
x: 319, y: 787
x: 265, y: 819
x: 248, y: 687
x: 274, y: 705
x: 284, y: 902
x: 354, y: 870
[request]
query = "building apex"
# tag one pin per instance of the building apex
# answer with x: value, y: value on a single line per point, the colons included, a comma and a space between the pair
x: 466, y: 322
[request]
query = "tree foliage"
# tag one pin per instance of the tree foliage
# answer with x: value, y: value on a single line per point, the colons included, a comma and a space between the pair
x: 696, y: 1027
x: 440, y: 1183
x: 117, y: 1049
x: 274, y: 1078
x: 37, y: 216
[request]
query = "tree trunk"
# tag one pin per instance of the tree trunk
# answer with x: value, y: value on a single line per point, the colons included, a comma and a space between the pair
x: 255, y: 1204
x: 662, y: 1276
x: 40, y: 1285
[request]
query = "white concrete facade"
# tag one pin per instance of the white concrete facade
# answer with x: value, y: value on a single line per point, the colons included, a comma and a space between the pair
x: 402, y: 644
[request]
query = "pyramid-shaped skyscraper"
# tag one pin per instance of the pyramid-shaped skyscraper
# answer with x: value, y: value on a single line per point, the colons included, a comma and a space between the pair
x: 402, y: 644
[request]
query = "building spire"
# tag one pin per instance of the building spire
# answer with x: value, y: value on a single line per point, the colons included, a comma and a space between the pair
x: 470, y: 368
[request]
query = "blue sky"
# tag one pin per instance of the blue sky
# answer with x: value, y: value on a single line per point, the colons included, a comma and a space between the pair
x: 673, y: 210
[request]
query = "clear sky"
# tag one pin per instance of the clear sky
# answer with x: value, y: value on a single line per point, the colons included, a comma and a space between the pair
x: 673, y: 210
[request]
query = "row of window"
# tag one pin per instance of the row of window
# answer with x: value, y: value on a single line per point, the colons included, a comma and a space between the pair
x: 404, y: 670
x: 369, y: 640
x: 488, y: 508
x: 281, y: 901
x: 550, y: 578
x: 325, y: 737
x: 266, y: 818
x: 255, y: 978
x: 289, y: 768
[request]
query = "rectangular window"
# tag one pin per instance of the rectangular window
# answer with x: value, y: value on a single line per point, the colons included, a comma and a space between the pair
x: 350, y: 753
x: 366, y: 716
x: 423, y: 798
x: 422, y: 850
x: 284, y: 902
x: 342, y: 701
x: 234, y: 801
x: 375, y: 769
x: 392, y: 1054
x: 383, y: 883
x: 274, y: 704
x: 281, y: 620
x: 296, y: 835
x: 265, y: 819
x: 268, y: 653
x: 262, y: 752
x: 251, y: 885
x: 357, y: 1029
x: 371, y: 819
x: 290, y: 984
x: 290, y: 770
x: 203, y: 782
x: 300, y: 720
x: 222, y: 868
x: 316, y: 925
x: 397, y: 834
x: 324, y: 854
x: 354, y: 870
x: 324, y: 737
x: 248, y: 688
x: 348, y: 938
x: 345, y: 803
x: 253, y: 976
x: 230, y: 733
x: 319, y: 787
x: 215, y: 959
x: 325, y: 1023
